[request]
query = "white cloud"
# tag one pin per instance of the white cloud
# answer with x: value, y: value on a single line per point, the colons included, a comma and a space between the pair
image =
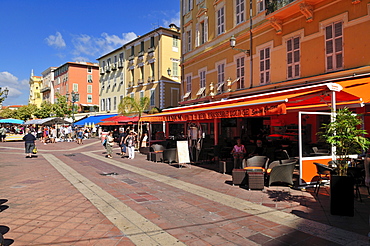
x: 85, y: 45
x: 17, y: 88
x: 56, y: 40
x: 175, y: 20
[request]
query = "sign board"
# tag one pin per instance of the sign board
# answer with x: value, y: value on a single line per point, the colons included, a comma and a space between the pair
x: 183, y: 152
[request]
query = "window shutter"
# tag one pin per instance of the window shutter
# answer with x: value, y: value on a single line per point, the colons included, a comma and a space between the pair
x: 197, y: 35
x: 206, y: 29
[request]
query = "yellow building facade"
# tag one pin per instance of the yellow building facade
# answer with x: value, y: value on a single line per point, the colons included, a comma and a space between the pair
x: 148, y: 66
x: 279, y: 44
x: 153, y: 67
x: 35, y: 90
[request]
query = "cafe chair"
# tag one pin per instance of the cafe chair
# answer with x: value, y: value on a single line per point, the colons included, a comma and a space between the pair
x: 281, y: 173
x: 317, y: 151
x: 169, y: 155
x: 323, y: 173
x: 358, y: 175
x: 257, y: 161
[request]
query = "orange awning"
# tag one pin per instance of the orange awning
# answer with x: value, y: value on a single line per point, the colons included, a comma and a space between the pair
x: 274, y: 103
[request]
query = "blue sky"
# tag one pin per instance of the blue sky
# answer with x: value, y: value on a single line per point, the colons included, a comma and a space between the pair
x: 37, y: 34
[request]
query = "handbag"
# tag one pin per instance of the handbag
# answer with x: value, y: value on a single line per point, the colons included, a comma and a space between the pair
x: 34, y: 150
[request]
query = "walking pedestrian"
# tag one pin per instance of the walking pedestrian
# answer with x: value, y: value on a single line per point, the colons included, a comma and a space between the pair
x: 80, y: 136
x: 29, y: 143
x: 122, y: 143
x: 2, y: 133
x: 130, y: 143
x: 109, y: 141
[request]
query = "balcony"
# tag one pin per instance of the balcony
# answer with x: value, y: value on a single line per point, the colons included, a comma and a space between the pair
x: 141, y: 53
x: 274, y: 5
x: 107, y: 69
x: 45, y: 89
x: 140, y: 81
x: 114, y: 66
x: 120, y: 64
x: 278, y: 10
x: 101, y: 71
x: 151, y: 49
x: 130, y: 58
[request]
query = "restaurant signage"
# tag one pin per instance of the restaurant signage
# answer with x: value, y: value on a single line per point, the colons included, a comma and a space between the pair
x: 235, y: 112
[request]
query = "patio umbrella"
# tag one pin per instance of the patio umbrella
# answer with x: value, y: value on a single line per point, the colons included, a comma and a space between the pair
x: 89, y: 125
x: 11, y: 121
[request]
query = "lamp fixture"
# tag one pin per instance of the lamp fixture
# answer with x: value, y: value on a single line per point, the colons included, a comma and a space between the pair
x: 233, y: 44
x: 169, y: 71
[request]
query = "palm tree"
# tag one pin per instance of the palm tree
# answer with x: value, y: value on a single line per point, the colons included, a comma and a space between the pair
x: 130, y: 106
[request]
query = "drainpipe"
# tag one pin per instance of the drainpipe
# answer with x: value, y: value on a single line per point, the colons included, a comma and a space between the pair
x: 250, y: 43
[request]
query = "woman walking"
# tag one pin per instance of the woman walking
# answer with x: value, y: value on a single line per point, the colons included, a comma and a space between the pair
x: 130, y: 143
x: 109, y: 141
x: 29, y: 143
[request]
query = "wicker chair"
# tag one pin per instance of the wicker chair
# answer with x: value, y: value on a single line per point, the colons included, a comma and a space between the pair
x: 169, y: 155
x: 157, y: 147
x: 258, y: 161
x: 282, y: 173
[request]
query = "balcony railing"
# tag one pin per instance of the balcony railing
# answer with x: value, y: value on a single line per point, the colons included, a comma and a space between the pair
x: 274, y: 5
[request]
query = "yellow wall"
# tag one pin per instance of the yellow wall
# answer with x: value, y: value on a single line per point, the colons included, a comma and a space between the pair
x: 35, y: 91
x: 356, y: 26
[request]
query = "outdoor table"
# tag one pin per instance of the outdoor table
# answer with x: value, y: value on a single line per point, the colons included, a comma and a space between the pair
x: 256, y: 178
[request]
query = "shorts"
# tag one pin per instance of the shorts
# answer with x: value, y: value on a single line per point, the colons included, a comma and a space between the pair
x: 29, y: 147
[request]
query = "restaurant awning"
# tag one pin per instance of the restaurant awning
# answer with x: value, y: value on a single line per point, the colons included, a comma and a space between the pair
x: 47, y: 121
x: 93, y: 119
x: 265, y: 104
x: 118, y: 120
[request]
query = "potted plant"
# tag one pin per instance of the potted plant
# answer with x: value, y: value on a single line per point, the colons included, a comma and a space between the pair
x: 345, y: 134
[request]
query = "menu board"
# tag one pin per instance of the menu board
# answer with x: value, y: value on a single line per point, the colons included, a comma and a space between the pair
x: 183, y: 152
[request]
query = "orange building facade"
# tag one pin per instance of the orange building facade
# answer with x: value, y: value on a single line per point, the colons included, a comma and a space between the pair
x: 81, y: 78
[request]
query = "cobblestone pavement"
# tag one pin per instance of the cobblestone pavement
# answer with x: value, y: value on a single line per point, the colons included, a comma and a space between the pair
x: 72, y: 195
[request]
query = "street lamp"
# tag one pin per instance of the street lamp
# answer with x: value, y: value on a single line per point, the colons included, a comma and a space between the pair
x: 233, y: 43
x: 75, y: 97
x: 169, y: 71
x: 3, y: 94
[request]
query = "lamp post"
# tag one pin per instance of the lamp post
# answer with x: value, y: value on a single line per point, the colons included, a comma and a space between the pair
x: 3, y: 94
x: 74, y: 98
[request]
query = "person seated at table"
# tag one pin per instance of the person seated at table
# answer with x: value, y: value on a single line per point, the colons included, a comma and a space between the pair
x: 259, y: 150
x: 238, y: 153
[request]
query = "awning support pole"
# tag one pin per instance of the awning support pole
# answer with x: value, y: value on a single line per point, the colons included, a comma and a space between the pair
x: 215, y: 130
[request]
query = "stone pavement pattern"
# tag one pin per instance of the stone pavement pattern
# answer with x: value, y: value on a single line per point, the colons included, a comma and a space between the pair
x: 62, y: 198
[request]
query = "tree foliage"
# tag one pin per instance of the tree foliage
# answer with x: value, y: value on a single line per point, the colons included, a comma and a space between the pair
x: 130, y: 106
x: 346, y: 135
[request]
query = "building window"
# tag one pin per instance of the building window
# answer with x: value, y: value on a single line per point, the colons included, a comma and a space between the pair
x: 265, y: 66
x: 120, y: 99
x: 121, y: 57
x: 240, y: 8
x: 293, y: 57
x: 102, y: 106
x: 151, y: 42
x: 202, y: 83
x: 260, y: 5
x: 75, y: 87
x: 175, y: 41
x: 188, y: 84
x: 220, y: 77
x: 240, y: 72
x: 142, y: 46
x: 89, y: 88
x: 132, y: 50
x: 108, y: 104
x: 89, y: 98
x: 141, y: 95
x: 89, y: 78
x: 221, y: 21
x: 334, y: 46
x: 187, y: 6
x: 188, y: 40
x: 175, y: 69
x: 114, y: 103
x: 152, y: 70
x: 89, y: 69
x: 152, y: 97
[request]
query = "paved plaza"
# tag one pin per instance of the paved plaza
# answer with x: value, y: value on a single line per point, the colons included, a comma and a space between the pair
x: 72, y: 195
